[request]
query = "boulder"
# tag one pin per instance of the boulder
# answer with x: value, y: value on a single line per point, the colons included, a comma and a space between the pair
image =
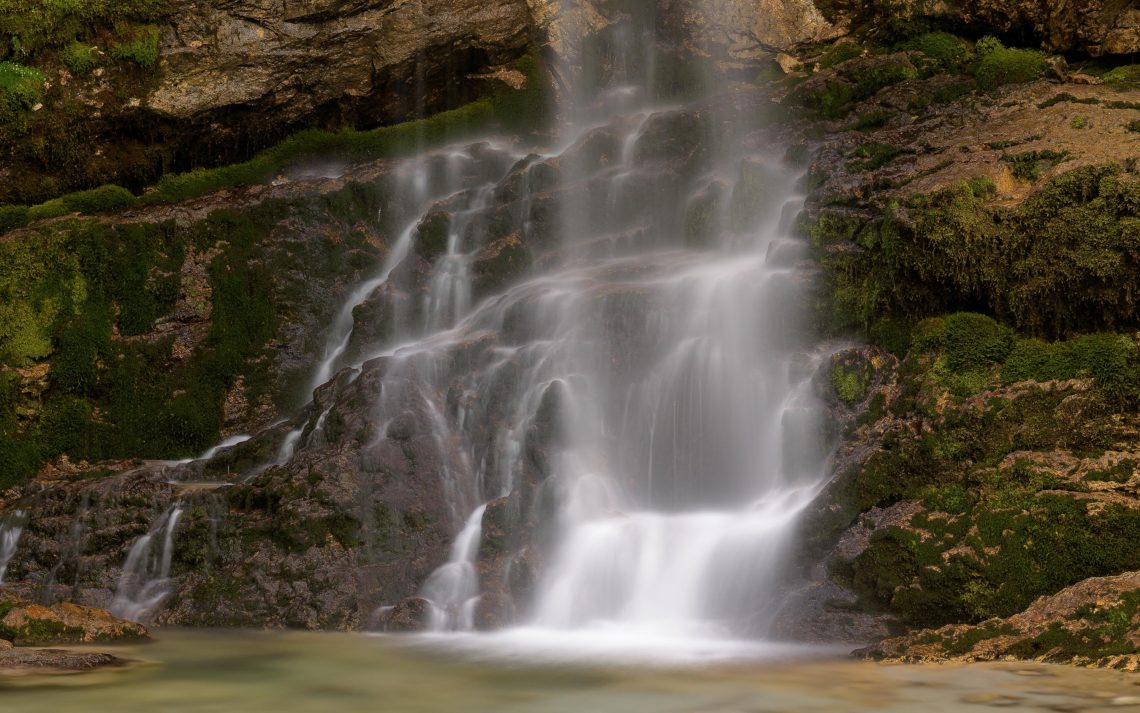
x: 25, y: 623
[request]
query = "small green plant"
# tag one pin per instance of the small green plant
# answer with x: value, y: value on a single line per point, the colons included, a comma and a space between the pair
x: 1126, y: 77
x: 80, y: 58
x: 998, y: 65
x: 850, y: 383
x: 840, y: 53
x: 1079, y: 122
x: 141, y: 47
x: 20, y: 87
x: 1027, y: 165
x: 947, y: 51
x: 875, y: 155
x: 873, y: 120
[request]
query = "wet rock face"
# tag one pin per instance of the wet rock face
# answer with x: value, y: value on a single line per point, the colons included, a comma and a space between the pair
x: 74, y: 547
x: 1095, y: 27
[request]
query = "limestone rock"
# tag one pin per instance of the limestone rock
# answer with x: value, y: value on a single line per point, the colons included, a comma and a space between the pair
x: 28, y: 624
x: 268, y: 59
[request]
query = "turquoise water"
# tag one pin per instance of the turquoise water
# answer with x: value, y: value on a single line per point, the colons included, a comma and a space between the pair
x: 212, y: 672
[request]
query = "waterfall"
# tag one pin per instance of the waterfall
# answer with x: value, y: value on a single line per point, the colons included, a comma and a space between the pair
x: 662, y: 358
x: 605, y: 339
x: 11, y: 527
x: 145, y: 581
x: 453, y: 589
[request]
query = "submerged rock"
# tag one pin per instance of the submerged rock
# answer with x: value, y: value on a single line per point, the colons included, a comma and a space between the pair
x: 16, y: 662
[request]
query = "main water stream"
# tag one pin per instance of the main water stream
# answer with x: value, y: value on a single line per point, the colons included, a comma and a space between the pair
x: 660, y: 347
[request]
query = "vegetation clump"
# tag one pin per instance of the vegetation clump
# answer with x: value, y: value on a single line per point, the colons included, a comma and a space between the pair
x: 857, y: 81
x: 1027, y: 166
x: 1126, y: 77
x: 29, y: 28
x: 995, y: 530
x: 839, y: 53
x: 80, y: 58
x: 998, y: 65
x: 946, y: 52
x: 1050, y: 267
x: 21, y: 88
x: 850, y: 382
x: 140, y: 46
x: 874, y: 155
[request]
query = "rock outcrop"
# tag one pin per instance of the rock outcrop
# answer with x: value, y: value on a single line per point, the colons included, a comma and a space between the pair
x: 1093, y: 27
x: 1096, y: 621
x: 229, y: 79
x: 986, y: 489
x: 358, y: 63
x: 25, y: 623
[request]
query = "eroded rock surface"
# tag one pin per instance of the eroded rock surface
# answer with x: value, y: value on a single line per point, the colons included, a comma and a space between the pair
x: 25, y: 623
x: 1098, y: 27
x: 1096, y: 621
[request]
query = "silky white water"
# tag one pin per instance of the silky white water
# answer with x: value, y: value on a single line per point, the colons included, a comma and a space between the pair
x: 11, y: 528
x: 636, y: 408
x: 640, y: 399
x: 145, y: 580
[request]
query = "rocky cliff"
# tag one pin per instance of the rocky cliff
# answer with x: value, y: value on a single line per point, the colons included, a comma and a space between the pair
x: 974, y: 209
x: 124, y: 92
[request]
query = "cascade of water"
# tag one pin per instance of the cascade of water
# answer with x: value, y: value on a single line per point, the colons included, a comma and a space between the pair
x: 11, y: 527
x: 647, y: 387
x: 227, y: 443
x: 664, y: 361
x: 453, y: 589
x: 145, y: 581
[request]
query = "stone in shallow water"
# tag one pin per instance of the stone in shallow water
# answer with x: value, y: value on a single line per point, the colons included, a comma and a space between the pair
x: 29, y: 624
x: 15, y: 661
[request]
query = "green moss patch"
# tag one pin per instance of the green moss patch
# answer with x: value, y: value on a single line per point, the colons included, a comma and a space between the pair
x: 994, y: 561
x: 839, y: 53
x: 1053, y: 266
x: 1028, y: 165
x: 834, y: 97
x: 140, y: 46
x: 874, y: 155
x: 30, y: 27
x: 20, y: 89
x: 1126, y: 77
x: 998, y: 65
x: 945, y: 52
